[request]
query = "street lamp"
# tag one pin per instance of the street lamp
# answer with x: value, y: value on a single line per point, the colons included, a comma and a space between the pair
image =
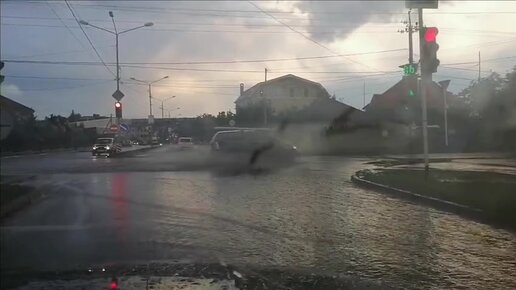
x: 116, y: 33
x: 169, y: 111
x: 162, y: 108
x: 150, y: 90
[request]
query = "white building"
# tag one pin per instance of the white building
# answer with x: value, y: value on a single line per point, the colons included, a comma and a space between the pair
x: 288, y: 92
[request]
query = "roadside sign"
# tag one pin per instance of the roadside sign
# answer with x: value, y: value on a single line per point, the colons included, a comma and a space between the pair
x: 124, y: 127
x: 118, y: 95
x: 232, y: 123
x: 409, y: 69
x: 113, y: 128
x: 444, y: 84
x: 428, y: 4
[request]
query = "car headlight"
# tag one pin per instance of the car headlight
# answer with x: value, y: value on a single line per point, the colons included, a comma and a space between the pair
x: 294, y: 147
x: 94, y: 148
x: 107, y: 147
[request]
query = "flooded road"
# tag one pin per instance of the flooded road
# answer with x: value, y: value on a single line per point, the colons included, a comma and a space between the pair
x: 308, y: 216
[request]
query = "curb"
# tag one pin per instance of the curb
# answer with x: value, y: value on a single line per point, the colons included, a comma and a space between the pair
x: 129, y: 153
x: 436, y: 202
x: 46, y: 151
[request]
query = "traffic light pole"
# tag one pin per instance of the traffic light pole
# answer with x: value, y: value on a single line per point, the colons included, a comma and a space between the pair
x: 150, y: 99
x: 426, y: 78
x: 410, y: 30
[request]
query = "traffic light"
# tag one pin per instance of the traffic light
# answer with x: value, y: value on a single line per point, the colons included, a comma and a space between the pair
x: 410, y: 87
x: 429, y: 58
x: 118, y: 110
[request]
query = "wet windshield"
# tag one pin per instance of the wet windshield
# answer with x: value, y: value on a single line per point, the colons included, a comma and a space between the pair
x: 298, y: 144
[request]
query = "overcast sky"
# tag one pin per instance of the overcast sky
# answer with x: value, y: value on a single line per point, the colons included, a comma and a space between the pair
x: 364, y: 34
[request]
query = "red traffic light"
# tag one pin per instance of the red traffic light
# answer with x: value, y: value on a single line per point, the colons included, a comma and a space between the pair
x: 118, y: 110
x: 431, y: 34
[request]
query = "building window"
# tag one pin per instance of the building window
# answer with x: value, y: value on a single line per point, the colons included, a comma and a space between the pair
x: 306, y: 92
x: 291, y: 92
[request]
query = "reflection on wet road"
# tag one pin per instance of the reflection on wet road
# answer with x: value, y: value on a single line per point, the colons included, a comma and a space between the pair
x: 306, y: 216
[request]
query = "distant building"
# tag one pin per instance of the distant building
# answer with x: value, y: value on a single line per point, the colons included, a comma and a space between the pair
x: 402, y: 103
x: 12, y: 112
x: 92, y: 117
x: 17, y: 110
x: 100, y: 125
x: 285, y: 93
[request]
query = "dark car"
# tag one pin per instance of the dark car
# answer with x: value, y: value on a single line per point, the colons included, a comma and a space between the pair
x: 106, y: 146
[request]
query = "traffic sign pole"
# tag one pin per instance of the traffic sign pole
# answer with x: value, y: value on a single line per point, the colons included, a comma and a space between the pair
x: 425, y: 79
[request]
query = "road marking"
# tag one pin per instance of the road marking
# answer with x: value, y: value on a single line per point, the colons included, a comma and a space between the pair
x: 43, y: 154
x: 14, y: 156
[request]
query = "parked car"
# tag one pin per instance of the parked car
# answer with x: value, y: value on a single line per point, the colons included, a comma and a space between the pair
x: 155, y: 141
x: 185, y: 143
x: 127, y: 143
x: 106, y: 146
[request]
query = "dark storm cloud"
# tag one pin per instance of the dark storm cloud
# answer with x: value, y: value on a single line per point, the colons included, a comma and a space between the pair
x: 337, y: 19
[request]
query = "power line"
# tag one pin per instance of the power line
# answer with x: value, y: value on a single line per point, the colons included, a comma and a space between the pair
x: 306, y: 37
x: 269, y: 60
x: 54, y: 78
x: 454, y: 77
x: 233, y: 87
x: 55, y: 53
x: 86, y: 35
x: 476, y: 62
x: 181, y: 69
x: 65, y: 88
x: 157, y: 9
x: 261, y: 25
x: 201, y: 31
x: 463, y: 69
x: 64, y: 24
x: 182, y: 30
x: 211, y: 24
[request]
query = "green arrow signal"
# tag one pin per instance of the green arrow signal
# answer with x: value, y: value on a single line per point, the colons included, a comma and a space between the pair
x: 411, y: 93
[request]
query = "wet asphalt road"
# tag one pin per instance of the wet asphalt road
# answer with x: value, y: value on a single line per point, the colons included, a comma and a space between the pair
x: 167, y: 205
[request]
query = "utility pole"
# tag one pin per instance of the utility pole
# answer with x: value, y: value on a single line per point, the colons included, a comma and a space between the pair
x: 264, y: 101
x: 444, y: 85
x: 149, y: 84
x: 479, y: 66
x: 410, y: 29
x: 426, y: 78
x: 363, y: 96
x: 163, y: 108
x: 118, y: 95
x: 411, y: 54
x: 150, y: 100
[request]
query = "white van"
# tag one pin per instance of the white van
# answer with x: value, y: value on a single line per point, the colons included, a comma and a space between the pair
x: 185, y: 143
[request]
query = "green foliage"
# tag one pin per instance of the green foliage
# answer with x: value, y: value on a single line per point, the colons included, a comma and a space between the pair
x: 493, y: 193
x: 51, y: 133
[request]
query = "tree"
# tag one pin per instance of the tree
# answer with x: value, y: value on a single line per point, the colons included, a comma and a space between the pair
x: 74, y: 117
